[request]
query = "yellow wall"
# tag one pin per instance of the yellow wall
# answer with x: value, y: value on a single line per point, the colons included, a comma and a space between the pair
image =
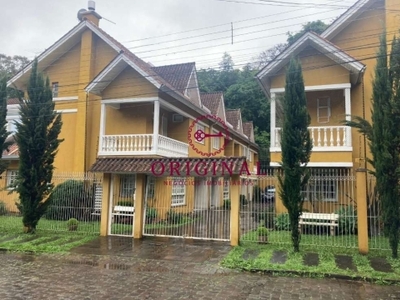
x: 317, y: 70
x: 337, y: 106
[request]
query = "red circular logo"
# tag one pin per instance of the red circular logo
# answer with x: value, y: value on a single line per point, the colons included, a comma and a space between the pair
x: 198, y: 135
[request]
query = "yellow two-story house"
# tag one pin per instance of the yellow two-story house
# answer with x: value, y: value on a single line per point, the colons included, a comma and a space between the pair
x: 163, y: 148
x: 338, y: 68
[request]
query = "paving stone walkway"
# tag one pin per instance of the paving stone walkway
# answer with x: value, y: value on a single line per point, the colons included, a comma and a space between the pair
x: 125, y: 271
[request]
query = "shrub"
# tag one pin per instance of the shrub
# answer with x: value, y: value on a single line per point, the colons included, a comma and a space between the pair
x: 257, y: 192
x: 72, y: 222
x: 151, y: 213
x: 347, y: 219
x: 71, y: 199
x: 174, y: 217
x: 262, y: 231
x: 227, y: 204
x: 243, y: 200
x: 3, y: 209
x: 282, y: 222
x: 267, y: 215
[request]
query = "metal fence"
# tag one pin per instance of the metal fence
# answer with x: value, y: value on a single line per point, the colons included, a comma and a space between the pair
x: 329, y: 215
x: 75, y: 196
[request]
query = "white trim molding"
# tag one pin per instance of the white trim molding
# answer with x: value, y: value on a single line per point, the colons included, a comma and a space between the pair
x: 129, y: 100
x: 321, y: 164
x: 69, y: 98
x: 312, y: 88
x: 67, y: 111
x: 319, y: 149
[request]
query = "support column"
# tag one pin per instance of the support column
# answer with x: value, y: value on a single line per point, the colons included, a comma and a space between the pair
x: 347, y: 99
x: 156, y: 125
x: 235, y: 210
x: 362, y: 218
x: 139, y: 206
x: 102, y: 131
x: 105, y: 205
x: 273, y: 120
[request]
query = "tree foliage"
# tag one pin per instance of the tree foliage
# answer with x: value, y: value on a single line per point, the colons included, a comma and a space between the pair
x: 296, y: 147
x: 384, y: 137
x: 37, y: 139
x: 10, y: 65
x: 314, y: 26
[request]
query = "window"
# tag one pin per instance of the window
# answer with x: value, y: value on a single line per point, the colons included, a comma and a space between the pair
x: 151, y: 181
x: 226, y: 189
x: 55, y: 89
x: 178, y: 191
x: 127, y: 186
x: 250, y: 156
x: 321, y: 188
x: 164, y: 126
x: 202, y: 128
x: 216, y: 141
x: 323, y: 109
x: 11, y: 177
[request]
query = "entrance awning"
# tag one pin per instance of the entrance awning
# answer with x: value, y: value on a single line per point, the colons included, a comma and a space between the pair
x: 163, y: 167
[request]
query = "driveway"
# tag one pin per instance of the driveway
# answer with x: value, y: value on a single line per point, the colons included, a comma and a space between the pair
x: 160, y: 269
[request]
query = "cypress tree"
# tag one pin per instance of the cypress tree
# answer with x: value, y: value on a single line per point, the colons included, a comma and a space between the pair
x: 37, y: 139
x: 296, y: 148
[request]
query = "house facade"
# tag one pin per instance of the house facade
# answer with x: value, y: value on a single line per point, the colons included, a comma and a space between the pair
x: 159, y: 144
x: 338, y: 68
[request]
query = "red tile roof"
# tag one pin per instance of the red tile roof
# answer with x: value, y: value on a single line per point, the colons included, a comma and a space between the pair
x: 223, y: 166
x: 12, y: 149
x: 212, y: 101
x: 11, y: 101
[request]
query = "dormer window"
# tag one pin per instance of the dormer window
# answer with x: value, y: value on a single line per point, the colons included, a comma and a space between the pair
x: 55, y: 89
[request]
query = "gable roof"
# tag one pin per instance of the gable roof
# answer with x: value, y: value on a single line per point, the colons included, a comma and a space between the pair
x: 13, y: 152
x: 325, y: 47
x: 234, y: 117
x: 248, y: 130
x: 212, y: 101
x: 177, y: 75
x: 347, y: 17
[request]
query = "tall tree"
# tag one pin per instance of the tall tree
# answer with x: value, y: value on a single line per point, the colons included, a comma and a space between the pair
x: 315, y: 26
x: 296, y: 147
x: 4, y: 144
x: 37, y: 139
x: 9, y: 65
x: 384, y: 137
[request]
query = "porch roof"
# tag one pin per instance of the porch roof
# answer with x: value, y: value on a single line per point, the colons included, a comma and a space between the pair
x: 187, y: 166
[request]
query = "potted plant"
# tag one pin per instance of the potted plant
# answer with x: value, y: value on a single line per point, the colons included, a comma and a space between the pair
x: 262, y: 235
x: 72, y: 224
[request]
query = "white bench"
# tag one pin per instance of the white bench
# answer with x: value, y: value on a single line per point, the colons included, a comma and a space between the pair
x: 319, y: 219
x: 124, y: 211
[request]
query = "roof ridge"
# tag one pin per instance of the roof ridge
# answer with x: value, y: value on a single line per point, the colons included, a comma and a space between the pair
x: 180, y: 64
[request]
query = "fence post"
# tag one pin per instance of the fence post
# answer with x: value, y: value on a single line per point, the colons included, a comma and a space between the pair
x: 362, y: 218
x: 139, y: 209
x: 105, y: 204
x: 235, y: 210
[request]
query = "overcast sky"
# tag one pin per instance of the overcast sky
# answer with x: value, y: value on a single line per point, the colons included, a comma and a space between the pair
x: 166, y: 31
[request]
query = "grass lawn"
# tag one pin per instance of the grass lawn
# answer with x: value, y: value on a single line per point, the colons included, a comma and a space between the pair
x: 252, y: 256
x: 51, y: 236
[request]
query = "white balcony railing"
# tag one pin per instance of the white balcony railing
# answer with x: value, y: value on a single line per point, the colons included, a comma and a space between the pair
x: 142, y: 144
x: 325, y: 138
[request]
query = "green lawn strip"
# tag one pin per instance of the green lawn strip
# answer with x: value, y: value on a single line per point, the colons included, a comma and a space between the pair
x: 326, y: 267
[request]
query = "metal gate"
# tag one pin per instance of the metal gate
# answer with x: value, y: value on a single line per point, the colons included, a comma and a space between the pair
x: 122, y: 209
x: 191, y: 208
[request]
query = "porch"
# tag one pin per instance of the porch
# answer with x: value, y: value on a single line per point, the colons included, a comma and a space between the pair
x: 142, y: 126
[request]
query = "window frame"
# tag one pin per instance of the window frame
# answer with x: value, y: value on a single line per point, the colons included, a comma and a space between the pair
x: 151, y: 184
x: 320, y: 107
x: 216, y: 140
x: 11, y: 178
x: 127, y: 190
x: 178, y: 190
x: 164, y: 126
x: 226, y: 190
x: 55, y: 89
x: 325, y: 187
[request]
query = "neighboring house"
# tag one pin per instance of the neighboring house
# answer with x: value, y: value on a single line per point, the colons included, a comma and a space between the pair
x: 125, y: 118
x: 338, y: 67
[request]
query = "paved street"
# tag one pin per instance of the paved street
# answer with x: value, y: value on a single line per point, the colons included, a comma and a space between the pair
x: 167, y: 276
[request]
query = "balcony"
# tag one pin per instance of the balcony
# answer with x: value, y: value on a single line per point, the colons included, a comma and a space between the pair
x: 142, y: 144
x: 325, y: 138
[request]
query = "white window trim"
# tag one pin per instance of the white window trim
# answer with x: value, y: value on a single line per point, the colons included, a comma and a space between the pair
x: 181, y: 193
x: 320, y: 107
x: 151, y: 181
x: 226, y: 191
x: 55, y: 86
x: 11, y: 176
x: 122, y: 186
x: 200, y: 127
x: 216, y: 140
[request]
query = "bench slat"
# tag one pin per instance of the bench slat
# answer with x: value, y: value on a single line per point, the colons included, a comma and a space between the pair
x: 318, y: 223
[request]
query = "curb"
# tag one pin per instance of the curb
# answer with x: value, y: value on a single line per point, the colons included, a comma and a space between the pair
x: 323, y: 275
